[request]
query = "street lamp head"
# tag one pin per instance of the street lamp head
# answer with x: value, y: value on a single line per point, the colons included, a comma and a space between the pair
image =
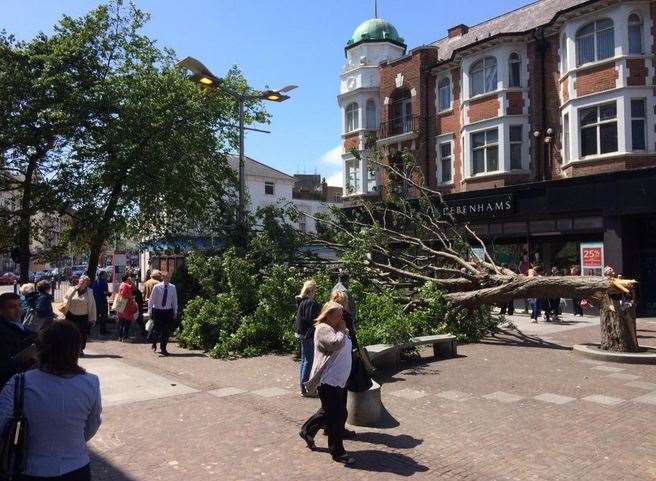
x: 200, y: 73
x: 274, y: 96
x: 206, y: 80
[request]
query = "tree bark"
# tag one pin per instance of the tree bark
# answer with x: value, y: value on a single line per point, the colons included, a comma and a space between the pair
x: 618, y: 325
x: 24, y: 234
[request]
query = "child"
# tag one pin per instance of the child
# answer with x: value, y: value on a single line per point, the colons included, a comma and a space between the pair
x: 125, y: 318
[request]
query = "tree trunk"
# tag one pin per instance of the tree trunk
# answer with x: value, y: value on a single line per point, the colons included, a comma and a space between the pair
x: 618, y: 325
x: 24, y: 234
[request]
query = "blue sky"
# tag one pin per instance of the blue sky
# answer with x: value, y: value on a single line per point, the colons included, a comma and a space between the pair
x: 276, y: 43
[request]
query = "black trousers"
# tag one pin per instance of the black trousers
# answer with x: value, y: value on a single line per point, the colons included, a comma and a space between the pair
x: 163, y: 320
x: 332, y: 415
x: 82, y: 323
x: 102, y: 312
x: 82, y: 474
x: 578, y: 310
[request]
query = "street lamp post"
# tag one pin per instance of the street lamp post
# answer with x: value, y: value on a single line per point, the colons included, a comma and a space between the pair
x: 202, y: 75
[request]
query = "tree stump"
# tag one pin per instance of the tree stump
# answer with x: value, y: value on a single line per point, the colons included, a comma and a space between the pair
x: 618, y: 325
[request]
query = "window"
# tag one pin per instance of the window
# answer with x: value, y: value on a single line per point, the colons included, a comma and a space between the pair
x: 483, y: 76
x: 268, y: 188
x: 372, y: 178
x: 514, y: 69
x: 352, y: 177
x: 563, y: 53
x: 635, y: 34
x: 516, y: 146
x: 566, y: 137
x: 352, y: 117
x: 302, y: 222
x: 401, y: 118
x: 372, y: 118
x: 485, y: 151
x: 445, y: 174
x: 638, y: 121
x: 595, y: 41
x: 444, y: 94
x: 598, y: 129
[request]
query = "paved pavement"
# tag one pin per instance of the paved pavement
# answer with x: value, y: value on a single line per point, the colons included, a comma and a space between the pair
x: 515, y: 406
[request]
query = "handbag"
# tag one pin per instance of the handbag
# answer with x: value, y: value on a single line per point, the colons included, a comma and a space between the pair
x: 149, y: 325
x: 119, y: 303
x: 13, y: 445
x: 359, y: 380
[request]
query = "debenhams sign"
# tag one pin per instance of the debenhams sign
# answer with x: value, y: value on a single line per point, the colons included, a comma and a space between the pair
x: 490, y: 206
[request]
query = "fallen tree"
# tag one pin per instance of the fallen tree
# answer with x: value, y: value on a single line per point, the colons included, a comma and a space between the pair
x: 411, y: 238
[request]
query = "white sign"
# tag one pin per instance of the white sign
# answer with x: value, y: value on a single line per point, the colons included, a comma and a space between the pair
x: 592, y: 258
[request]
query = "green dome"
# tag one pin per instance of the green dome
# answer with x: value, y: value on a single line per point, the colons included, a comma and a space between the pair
x: 375, y: 30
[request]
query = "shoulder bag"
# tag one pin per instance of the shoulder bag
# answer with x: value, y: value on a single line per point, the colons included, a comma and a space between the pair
x: 13, y: 444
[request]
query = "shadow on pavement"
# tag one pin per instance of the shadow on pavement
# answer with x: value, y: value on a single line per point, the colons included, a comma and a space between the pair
x: 385, y: 462
x: 103, y: 470
x: 400, y: 441
x: 102, y: 356
x: 517, y: 338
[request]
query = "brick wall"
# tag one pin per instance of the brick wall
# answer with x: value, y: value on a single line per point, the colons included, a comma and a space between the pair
x: 637, y: 71
x: 596, y: 79
x: 485, y: 108
x: 564, y: 89
x: 615, y: 164
x: 515, y: 103
x: 352, y: 141
x: 493, y: 182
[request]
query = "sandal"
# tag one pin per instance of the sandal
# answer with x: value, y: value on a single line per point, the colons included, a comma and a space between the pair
x: 308, y: 441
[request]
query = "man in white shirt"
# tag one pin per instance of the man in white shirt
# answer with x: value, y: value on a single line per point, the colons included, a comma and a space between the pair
x: 163, y: 310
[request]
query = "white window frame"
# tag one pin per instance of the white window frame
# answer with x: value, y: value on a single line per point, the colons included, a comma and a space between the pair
x: 371, y: 118
x: 447, y: 140
x: 273, y: 188
x: 640, y: 24
x: 566, y: 138
x: 440, y: 88
x: 519, y: 142
x: 352, y: 117
x: 482, y: 66
x: 563, y: 54
x: 597, y: 125
x: 372, y: 177
x: 485, y: 147
x: 595, y: 36
x: 514, y: 59
x: 353, y: 183
x: 639, y: 119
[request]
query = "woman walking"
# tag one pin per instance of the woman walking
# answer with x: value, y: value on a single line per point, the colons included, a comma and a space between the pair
x: 79, y: 307
x: 535, y: 302
x: 42, y: 315
x: 330, y: 371
x: 125, y: 318
x: 306, y: 313
x: 62, y: 405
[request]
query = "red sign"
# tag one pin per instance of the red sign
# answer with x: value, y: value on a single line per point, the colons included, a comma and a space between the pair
x: 591, y: 257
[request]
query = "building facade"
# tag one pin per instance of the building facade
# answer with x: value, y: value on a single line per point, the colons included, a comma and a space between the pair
x: 538, y: 126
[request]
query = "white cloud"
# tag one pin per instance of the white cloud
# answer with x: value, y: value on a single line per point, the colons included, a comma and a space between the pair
x: 336, y: 179
x: 333, y: 156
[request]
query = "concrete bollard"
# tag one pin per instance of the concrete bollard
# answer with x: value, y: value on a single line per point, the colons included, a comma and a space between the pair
x: 365, y: 408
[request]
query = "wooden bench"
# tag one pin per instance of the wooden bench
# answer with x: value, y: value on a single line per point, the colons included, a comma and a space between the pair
x: 388, y: 356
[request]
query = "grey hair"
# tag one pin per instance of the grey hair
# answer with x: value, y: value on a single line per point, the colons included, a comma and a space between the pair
x: 27, y: 288
x: 156, y: 274
x: 84, y: 277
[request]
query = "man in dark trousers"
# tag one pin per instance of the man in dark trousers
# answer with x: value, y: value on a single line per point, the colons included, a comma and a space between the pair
x: 163, y: 310
x: 17, y: 349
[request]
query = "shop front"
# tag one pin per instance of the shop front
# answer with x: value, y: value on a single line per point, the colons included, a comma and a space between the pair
x: 591, y: 222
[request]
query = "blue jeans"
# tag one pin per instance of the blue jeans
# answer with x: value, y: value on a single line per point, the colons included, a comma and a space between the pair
x: 536, y: 305
x: 307, y: 357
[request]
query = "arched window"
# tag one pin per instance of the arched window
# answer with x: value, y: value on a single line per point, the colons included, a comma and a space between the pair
x: 595, y: 41
x: 444, y: 94
x: 483, y: 76
x: 352, y: 117
x: 514, y: 69
x: 372, y: 118
x: 635, y: 34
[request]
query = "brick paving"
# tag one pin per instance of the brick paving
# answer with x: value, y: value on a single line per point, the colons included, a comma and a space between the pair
x: 515, y: 406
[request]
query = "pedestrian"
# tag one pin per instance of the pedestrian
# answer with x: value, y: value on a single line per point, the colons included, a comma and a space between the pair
x: 17, y: 348
x: 154, y: 279
x: 100, y: 288
x: 306, y: 312
x: 554, y: 302
x: 28, y: 297
x: 42, y: 315
x: 62, y: 403
x: 126, y: 317
x: 342, y: 285
x: 535, y: 302
x: 79, y: 307
x: 330, y: 371
x: 576, y: 302
x: 523, y: 268
x: 163, y: 310
x: 138, y: 298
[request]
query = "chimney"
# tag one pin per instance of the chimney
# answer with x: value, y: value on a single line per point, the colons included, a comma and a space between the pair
x: 458, y: 30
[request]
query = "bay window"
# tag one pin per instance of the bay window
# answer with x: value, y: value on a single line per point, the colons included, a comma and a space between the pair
x: 372, y: 118
x: 516, y: 146
x: 352, y: 117
x: 635, y: 34
x: 372, y: 177
x: 485, y: 151
x: 566, y: 140
x: 445, y: 174
x: 483, y: 76
x: 638, y: 121
x: 598, y: 127
x: 514, y: 70
x: 444, y: 94
x: 595, y: 41
x: 353, y: 177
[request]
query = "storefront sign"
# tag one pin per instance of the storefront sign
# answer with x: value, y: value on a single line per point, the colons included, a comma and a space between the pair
x: 592, y: 258
x: 481, y: 206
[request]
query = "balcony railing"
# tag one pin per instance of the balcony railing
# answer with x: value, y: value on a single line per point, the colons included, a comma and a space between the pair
x: 399, y: 125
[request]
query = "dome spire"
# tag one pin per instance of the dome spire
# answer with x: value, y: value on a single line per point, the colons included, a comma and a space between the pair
x: 375, y: 8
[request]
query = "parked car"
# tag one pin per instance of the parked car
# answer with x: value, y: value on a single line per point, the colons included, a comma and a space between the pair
x: 8, y: 279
